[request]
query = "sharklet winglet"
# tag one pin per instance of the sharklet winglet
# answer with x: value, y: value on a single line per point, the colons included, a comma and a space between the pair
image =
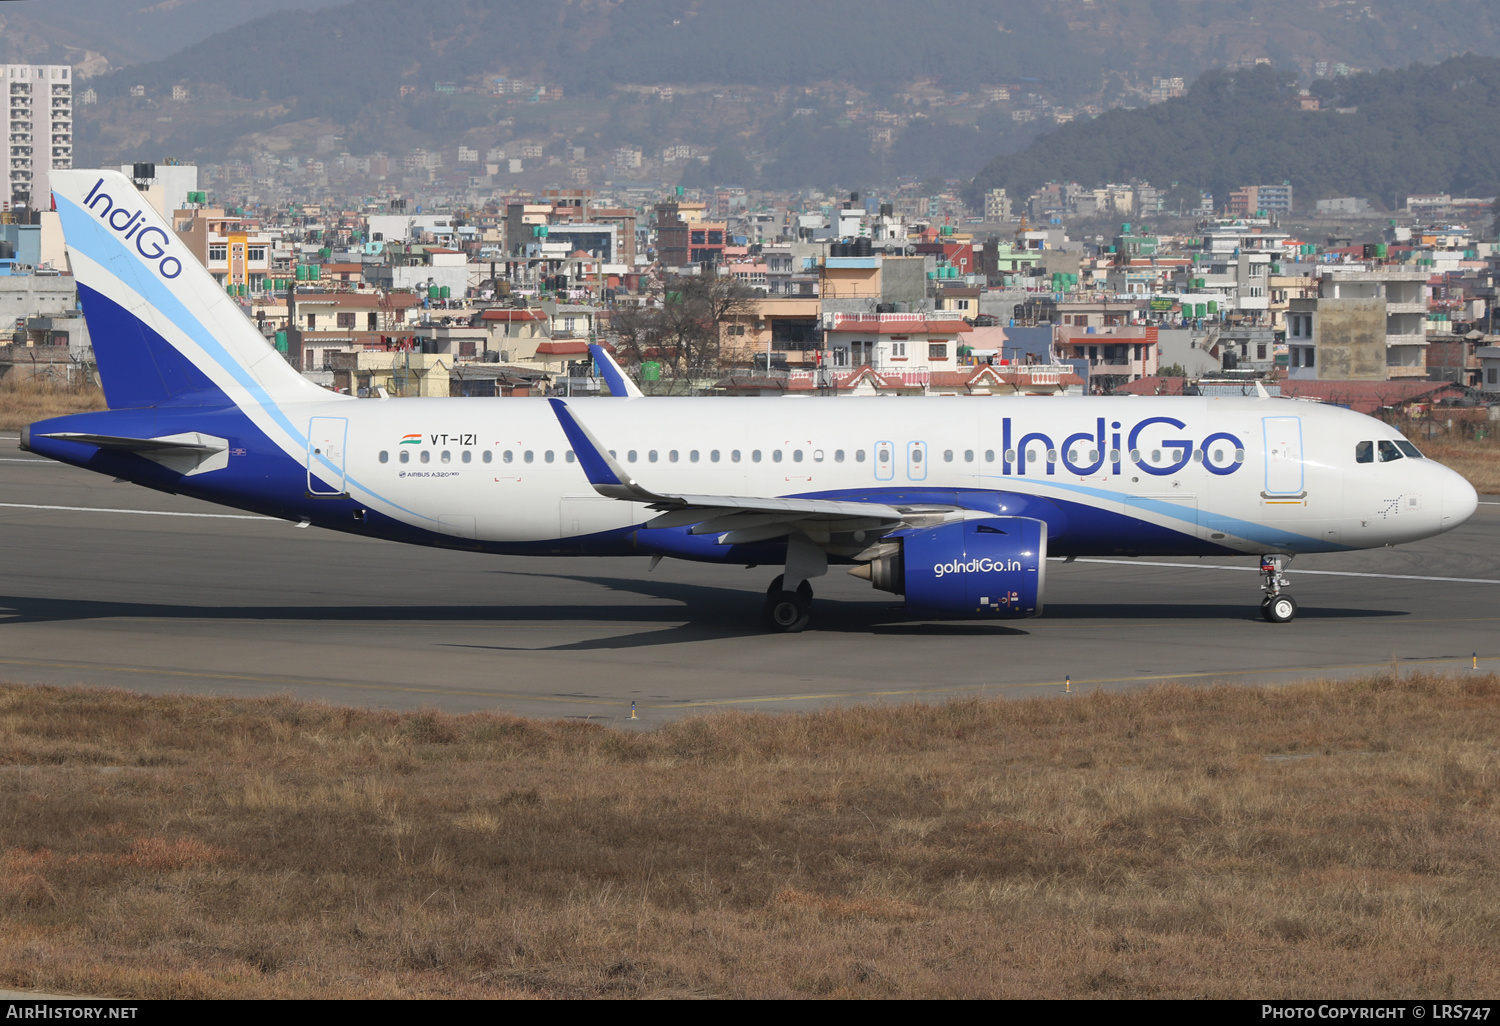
x: 613, y: 374
x: 606, y: 475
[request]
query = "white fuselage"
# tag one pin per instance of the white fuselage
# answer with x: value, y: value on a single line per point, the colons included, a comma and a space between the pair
x: 1244, y: 474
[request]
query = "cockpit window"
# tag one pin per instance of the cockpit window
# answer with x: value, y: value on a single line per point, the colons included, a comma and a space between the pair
x: 1364, y: 452
x: 1409, y: 449
x: 1388, y: 451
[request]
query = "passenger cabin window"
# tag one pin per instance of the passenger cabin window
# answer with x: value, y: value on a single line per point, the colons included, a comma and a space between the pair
x: 405, y: 456
x: 775, y: 455
x: 1364, y: 452
x: 630, y: 456
x: 426, y: 456
x: 1387, y: 450
x: 529, y: 456
x: 754, y: 455
x: 468, y: 457
x: 859, y: 455
x: 672, y: 456
x: 447, y: 456
x: 652, y: 456
x: 385, y: 457
x: 509, y: 456
x: 548, y: 457
x: 734, y: 456
x: 989, y: 455
x: 488, y: 456
x: 569, y: 456
x: 838, y: 455
x: 713, y: 455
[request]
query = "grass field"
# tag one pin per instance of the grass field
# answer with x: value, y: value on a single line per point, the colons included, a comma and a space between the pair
x: 1476, y: 459
x: 21, y: 404
x: 1325, y: 839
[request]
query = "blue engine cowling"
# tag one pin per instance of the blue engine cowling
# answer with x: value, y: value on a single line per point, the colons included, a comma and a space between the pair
x: 989, y: 568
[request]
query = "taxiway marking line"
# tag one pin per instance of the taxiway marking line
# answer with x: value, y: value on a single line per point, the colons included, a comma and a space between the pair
x: 1292, y: 570
x: 142, y: 512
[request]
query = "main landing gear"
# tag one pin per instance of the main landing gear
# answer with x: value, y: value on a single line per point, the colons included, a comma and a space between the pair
x: 1276, y: 607
x: 787, y: 611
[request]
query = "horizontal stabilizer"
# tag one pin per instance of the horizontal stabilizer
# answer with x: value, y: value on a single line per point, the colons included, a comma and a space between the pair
x: 189, y: 453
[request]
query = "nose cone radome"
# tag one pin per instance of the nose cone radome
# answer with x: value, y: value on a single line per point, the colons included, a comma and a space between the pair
x: 1460, y: 500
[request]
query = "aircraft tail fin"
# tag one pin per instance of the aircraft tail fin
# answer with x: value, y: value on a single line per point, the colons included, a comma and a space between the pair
x: 163, y: 330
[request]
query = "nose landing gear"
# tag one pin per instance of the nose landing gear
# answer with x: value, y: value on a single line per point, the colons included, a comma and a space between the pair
x: 1276, y: 607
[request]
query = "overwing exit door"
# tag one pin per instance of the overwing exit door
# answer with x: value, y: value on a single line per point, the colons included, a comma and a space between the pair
x: 916, y: 461
x: 326, y: 437
x: 885, y: 461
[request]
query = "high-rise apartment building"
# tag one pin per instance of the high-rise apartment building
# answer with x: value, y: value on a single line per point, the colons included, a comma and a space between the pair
x: 40, y: 103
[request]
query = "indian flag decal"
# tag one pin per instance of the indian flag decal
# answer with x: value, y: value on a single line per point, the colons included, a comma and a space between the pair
x: 411, y: 439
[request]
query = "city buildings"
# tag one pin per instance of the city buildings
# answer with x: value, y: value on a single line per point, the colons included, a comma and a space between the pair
x: 1364, y: 325
x: 40, y: 136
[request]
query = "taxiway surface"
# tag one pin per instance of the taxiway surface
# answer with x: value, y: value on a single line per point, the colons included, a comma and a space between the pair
x: 112, y: 584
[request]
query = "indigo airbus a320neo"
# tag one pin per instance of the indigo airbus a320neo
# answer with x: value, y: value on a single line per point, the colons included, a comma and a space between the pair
x: 955, y: 505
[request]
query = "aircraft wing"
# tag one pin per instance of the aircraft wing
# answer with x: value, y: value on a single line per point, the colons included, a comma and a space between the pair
x: 738, y: 518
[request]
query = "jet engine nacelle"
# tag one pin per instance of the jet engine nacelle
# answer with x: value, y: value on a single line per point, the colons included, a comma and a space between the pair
x: 990, y: 568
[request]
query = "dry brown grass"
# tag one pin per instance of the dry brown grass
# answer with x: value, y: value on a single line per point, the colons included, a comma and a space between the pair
x: 22, y: 403
x: 1324, y: 839
x: 1477, y: 459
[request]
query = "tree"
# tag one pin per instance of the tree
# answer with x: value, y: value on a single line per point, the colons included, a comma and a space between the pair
x: 1183, y: 199
x: 679, y: 328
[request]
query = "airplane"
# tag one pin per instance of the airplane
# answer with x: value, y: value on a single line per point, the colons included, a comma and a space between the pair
x: 954, y: 505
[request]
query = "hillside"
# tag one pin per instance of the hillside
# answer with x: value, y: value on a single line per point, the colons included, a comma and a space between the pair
x: 368, y: 72
x: 1378, y: 135
x: 96, y: 35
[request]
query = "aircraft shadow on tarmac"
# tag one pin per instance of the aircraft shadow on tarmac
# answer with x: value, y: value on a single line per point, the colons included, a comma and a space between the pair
x: 713, y: 613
